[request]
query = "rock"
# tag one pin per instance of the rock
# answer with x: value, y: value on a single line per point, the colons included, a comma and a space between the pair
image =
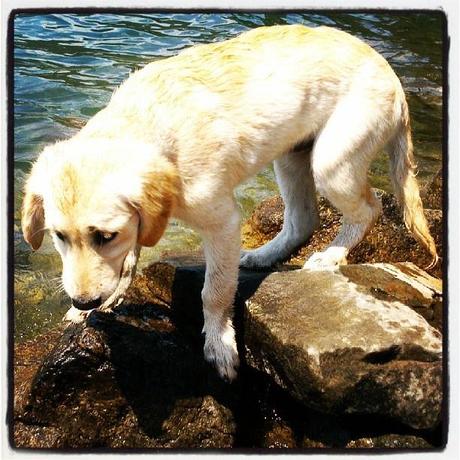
x: 125, y: 380
x: 280, y: 436
x: 37, y: 437
x: 363, y: 344
x: 404, y: 282
x: 137, y: 378
x: 432, y: 193
x: 337, y: 346
x: 389, y: 442
x: 27, y: 360
x: 387, y: 241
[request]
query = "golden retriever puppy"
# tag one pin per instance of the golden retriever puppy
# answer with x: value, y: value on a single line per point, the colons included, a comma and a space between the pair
x: 179, y: 135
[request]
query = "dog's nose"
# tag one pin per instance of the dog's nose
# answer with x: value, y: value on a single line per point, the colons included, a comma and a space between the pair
x: 89, y: 305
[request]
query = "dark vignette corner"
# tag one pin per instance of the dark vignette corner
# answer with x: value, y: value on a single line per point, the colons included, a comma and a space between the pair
x: 10, y: 224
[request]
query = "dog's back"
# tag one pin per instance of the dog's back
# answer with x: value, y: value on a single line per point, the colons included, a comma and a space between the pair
x: 251, y: 98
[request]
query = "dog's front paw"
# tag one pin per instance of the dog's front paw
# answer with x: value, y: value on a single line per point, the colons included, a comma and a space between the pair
x: 220, y: 349
x: 75, y: 316
x: 326, y: 260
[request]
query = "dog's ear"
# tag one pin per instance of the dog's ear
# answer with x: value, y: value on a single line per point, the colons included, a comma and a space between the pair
x: 158, y: 195
x: 33, y: 218
x: 33, y: 212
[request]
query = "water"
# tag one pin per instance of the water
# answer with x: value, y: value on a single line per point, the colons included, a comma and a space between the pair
x: 66, y: 67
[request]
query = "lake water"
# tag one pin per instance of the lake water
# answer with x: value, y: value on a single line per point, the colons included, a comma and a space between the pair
x: 66, y: 67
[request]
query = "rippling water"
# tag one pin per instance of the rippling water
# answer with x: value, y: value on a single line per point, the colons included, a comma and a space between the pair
x: 66, y: 67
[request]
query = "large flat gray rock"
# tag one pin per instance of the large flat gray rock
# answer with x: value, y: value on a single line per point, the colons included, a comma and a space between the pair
x: 344, y: 346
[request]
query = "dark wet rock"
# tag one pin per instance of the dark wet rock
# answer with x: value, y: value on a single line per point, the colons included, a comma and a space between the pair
x: 387, y: 241
x: 389, y: 442
x: 280, y: 436
x: 37, y: 436
x: 272, y: 418
x: 337, y: 347
x: 28, y: 357
x: 125, y: 380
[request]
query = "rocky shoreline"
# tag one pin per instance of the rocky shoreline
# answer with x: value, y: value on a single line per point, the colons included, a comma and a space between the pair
x: 350, y: 358
x: 387, y: 241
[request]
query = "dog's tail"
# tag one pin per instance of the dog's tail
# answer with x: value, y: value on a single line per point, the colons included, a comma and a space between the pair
x: 403, y: 171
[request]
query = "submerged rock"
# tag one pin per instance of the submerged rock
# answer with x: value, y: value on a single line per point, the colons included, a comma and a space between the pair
x: 338, y: 346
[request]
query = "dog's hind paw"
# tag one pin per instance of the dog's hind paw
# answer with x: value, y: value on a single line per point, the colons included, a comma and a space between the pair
x: 253, y: 260
x: 220, y: 350
x: 75, y: 316
x: 326, y: 260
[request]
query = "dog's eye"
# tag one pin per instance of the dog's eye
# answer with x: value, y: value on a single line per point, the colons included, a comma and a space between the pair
x: 101, y: 238
x: 60, y: 236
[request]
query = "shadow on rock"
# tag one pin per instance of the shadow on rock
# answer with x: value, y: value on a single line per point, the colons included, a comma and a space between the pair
x: 155, y: 371
x: 186, y: 303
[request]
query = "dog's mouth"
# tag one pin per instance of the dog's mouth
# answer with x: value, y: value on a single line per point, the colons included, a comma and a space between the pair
x: 127, y: 273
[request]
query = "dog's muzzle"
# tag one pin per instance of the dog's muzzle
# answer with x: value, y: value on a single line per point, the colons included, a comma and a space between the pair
x: 127, y: 273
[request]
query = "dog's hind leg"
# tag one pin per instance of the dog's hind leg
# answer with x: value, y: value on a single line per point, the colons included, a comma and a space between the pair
x: 359, y: 214
x: 340, y: 160
x: 295, y: 181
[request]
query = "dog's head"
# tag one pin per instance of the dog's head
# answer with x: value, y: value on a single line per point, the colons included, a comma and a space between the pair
x: 100, y: 200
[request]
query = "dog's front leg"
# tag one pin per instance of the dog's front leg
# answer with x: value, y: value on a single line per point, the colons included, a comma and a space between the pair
x: 222, y: 252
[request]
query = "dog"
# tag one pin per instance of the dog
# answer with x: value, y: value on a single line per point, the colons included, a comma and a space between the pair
x: 180, y: 134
